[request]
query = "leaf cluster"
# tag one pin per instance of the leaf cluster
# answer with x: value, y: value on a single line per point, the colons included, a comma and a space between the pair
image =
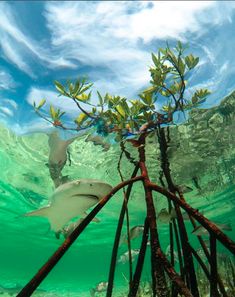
x: 116, y: 113
x: 168, y: 78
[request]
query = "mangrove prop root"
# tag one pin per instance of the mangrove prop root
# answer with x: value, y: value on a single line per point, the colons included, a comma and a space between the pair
x: 213, y: 272
x: 117, y: 238
x: 159, y: 260
x: 158, y: 274
x: 207, y: 273
x: 178, y: 248
x: 189, y: 270
x: 53, y: 260
x: 204, y: 247
x: 128, y: 241
x: 140, y: 261
x: 126, y: 210
x: 211, y: 227
x: 176, y: 279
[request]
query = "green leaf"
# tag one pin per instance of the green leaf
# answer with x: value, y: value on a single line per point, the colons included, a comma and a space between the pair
x: 59, y: 87
x: 155, y: 60
x: 41, y: 103
x: 80, y: 119
x: 150, y: 90
x: 121, y: 110
x: 191, y: 61
x: 76, y: 88
x: 86, y: 88
x: 163, y: 51
x: 196, y: 61
x: 181, y: 66
x: 179, y: 46
x: 53, y: 113
x: 125, y: 106
x: 100, y: 98
x: 83, y: 97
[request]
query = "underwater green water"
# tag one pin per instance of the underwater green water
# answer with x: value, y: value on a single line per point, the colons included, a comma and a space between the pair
x: 25, y: 185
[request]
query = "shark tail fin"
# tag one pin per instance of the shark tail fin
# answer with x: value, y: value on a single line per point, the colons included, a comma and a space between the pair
x: 42, y: 212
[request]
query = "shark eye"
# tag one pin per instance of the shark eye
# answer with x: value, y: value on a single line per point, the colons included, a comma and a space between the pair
x: 90, y: 185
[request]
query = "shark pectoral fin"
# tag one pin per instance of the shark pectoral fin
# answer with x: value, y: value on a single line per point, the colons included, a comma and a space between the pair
x: 94, y: 219
x: 42, y: 212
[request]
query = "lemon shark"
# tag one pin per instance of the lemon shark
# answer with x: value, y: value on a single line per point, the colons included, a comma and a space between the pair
x: 72, y: 199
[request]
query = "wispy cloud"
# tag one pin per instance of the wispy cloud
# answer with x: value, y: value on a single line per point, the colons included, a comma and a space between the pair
x: 161, y: 19
x: 19, y: 48
x: 111, y: 42
x: 8, y: 107
x: 115, y: 35
x: 6, y: 111
x: 6, y: 81
x: 10, y: 102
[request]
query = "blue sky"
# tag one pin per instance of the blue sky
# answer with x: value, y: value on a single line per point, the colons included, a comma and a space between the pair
x: 110, y: 42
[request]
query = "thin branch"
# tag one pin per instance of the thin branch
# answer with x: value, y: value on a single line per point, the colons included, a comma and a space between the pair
x: 83, y: 110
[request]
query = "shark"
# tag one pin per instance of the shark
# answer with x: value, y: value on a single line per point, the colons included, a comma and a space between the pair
x: 58, y: 151
x: 71, y: 200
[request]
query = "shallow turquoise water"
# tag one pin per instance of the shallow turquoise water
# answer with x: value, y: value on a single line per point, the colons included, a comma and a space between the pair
x: 27, y: 242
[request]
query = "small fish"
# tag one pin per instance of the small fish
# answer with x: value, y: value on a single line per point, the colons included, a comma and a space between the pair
x: 200, y: 230
x: 165, y: 217
x: 101, y: 287
x: 184, y: 189
x: 124, y: 258
x: 168, y: 253
x: 135, y: 232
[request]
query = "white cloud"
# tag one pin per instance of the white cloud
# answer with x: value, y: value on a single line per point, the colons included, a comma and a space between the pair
x: 109, y: 22
x: 165, y: 19
x: 2, y: 115
x: 7, y: 108
x: 10, y: 102
x: 6, y: 81
x: 18, y: 47
x: 14, y: 56
x: 6, y: 111
x: 108, y: 34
